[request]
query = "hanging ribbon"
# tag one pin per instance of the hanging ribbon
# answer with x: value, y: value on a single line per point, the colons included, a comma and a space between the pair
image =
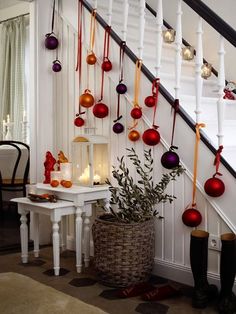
x: 138, y: 67
x: 197, y: 140
x: 92, y: 30
x: 53, y: 15
x: 155, y: 91
x: 217, y: 160
x: 105, y: 55
x: 176, y: 109
x: 79, y: 51
x: 121, y: 77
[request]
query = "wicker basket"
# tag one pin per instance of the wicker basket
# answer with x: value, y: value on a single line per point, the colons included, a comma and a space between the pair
x: 123, y: 253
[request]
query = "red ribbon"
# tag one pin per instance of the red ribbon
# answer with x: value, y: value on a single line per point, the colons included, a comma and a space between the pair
x: 176, y: 109
x: 217, y: 160
x: 105, y: 54
x: 155, y: 91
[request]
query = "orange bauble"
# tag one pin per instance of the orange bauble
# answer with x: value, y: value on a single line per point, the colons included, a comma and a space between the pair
x: 91, y: 59
x: 86, y: 100
x: 67, y: 184
x: 63, y: 182
x: 134, y: 135
x: 54, y: 183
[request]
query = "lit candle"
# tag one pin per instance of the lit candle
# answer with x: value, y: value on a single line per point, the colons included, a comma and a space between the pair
x: 96, y: 179
x: 24, y: 116
x: 84, y: 178
x: 66, y: 170
x: 169, y: 35
x: 8, y: 118
x: 188, y: 53
x: 4, y: 122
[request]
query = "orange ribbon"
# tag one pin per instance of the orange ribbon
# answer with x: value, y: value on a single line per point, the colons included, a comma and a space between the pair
x: 92, y: 29
x: 197, y: 140
x: 138, y: 67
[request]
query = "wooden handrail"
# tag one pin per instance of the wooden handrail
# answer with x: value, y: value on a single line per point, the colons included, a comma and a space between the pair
x: 213, y: 19
x: 182, y: 113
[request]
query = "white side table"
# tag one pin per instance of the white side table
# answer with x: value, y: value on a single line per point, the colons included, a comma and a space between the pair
x: 56, y: 211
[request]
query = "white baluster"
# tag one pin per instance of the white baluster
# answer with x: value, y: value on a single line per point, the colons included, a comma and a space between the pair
x: 159, y: 22
x: 141, y: 27
x: 95, y: 4
x: 178, y: 44
x: 198, y: 64
x: 126, y: 13
x: 221, y: 85
x: 109, y: 14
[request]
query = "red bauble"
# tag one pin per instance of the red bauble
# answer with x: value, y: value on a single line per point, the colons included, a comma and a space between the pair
x: 91, y: 59
x: 86, y: 100
x: 107, y: 65
x: 151, y: 137
x: 134, y: 135
x: 214, y: 187
x: 150, y: 101
x: 78, y: 122
x: 136, y: 113
x: 192, y: 217
x: 100, y: 110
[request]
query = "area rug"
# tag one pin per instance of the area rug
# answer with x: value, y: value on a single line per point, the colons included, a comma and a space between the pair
x: 21, y: 294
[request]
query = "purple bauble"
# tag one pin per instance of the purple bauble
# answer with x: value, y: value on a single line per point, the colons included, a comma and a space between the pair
x: 170, y: 160
x: 121, y: 88
x: 118, y: 128
x: 51, y: 42
x: 56, y: 67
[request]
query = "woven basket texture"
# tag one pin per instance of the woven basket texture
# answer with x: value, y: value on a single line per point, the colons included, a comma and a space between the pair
x: 123, y: 253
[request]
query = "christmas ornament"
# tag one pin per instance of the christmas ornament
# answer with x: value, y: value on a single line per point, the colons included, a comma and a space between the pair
x: 170, y: 159
x: 51, y: 42
x: 151, y: 137
x: 214, y: 187
x: 86, y: 100
x: 118, y: 128
x: 100, y: 110
x: 91, y: 59
x: 150, y: 101
x: 56, y: 66
x: 78, y: 122
x: 106, y: 65
x: 192, y: 217
x: 134, y: 135
x: 121, y: 88
x: 136, y: 113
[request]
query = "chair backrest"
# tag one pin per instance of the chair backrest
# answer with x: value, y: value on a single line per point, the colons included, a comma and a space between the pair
x: 14, y: 162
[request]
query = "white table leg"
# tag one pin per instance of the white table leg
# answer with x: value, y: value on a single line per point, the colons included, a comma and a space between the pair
x: 35, y: 217
x: 56, y: 251
x: 24, y: 237
x: 78, y: 239
x: 63, y: 233
x: 88, y: 213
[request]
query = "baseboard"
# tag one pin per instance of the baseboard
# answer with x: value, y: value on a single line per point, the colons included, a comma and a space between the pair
x: 180, y: 273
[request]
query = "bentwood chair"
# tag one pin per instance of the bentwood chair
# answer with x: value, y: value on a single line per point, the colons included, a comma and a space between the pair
x: 14, y: 167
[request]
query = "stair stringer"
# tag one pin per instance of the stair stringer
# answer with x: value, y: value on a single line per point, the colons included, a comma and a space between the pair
x: 172, y: 237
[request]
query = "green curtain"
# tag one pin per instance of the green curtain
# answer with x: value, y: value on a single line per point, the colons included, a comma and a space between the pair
x: 12, y: 72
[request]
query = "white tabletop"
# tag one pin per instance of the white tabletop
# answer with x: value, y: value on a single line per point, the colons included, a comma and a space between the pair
x: 49, y: 205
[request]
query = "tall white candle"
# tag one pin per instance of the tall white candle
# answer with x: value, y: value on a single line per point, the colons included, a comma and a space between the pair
x: 142, y: 5
x: 126, y: 12
x: 8, y: 118
x: 24, y: 116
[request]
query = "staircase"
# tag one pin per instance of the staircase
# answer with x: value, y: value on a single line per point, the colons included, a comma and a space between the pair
x: 172, y: 237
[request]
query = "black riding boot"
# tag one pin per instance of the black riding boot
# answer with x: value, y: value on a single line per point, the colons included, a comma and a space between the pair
x: 203, y: 292
x: 227, y: 303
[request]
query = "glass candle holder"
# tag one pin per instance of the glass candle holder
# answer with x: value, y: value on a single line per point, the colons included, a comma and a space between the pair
x: 188, y: 53
x: 168, y: 35
x: 55, y: 176
x: 206, y: 70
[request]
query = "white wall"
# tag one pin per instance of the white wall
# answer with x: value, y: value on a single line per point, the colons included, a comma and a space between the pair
x: 14, y: 10
x: 210, y: 36
x: 172, y: 237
